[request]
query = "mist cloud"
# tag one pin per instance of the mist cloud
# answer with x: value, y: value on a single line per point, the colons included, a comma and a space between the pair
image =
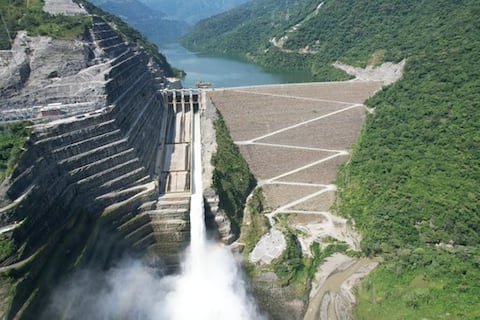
x: 211, y: 288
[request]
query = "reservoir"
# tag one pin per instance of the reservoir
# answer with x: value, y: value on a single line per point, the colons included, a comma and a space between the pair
x: 224, y: 72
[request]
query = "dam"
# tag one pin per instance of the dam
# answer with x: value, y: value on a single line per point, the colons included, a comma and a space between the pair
x: 106, y: 174
x: 107, y: 171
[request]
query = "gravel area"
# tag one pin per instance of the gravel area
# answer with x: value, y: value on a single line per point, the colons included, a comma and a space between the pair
x: 268, y: 162
x: 294, y: 137
x: 256, y: 115
x: 66, y: 7
x: 346, y: 91
x: 278, y: 195
x: 337, y: 132
x: 388, y: 72
x: 322, y: 202
x: 269, y: 247
x: 324, y: 172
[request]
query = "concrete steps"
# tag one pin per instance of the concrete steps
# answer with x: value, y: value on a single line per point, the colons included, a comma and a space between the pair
x: 103, y: 164
x: 85, y: 145
x: 130, y: 225
x: 162, y: 216
x: 124, y: 181
x: 139, y: 233
x: 106, y: 175
x: 87, y: 129
x: 144, y: 243
x: 95, y: 154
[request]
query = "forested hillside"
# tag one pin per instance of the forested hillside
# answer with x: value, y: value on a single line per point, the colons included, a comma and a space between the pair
x: 192, y: 11
x: 412, y: 185
x: 246, y: 32
x: 155, y: 24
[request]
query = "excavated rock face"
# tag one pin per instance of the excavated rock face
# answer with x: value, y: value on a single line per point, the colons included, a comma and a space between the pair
x: 86, y: 186
x: 42, y: 70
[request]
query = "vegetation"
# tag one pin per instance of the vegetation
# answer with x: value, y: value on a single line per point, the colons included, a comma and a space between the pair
x: 245, y: 28
x: 412, y: 183
x: 6, y: 247
x: 290, y: 263
x: 294, y: 268
x: 246, y: 31
x: 395, y: 29
x: 257, y: 223
x: 12, y: 138
x: 29, y: 15
x: 412, y: 285
x: 232, y: 179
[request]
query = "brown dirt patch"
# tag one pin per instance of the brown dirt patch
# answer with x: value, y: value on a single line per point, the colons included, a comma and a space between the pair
x: 322, y: 202
x: 278, y: 195
x: 350, y: 91
x: 255, y: 115
x: 337, y: 132
x: 268, y: 162
x: 324, y: 173
x: 302, y: 219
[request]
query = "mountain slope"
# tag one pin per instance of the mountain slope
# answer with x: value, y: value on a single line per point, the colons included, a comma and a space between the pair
x: 192, y: 11
x: 246, y: 32
x: 309, y: 35
x: 153, y: 23
x: 412, y: 183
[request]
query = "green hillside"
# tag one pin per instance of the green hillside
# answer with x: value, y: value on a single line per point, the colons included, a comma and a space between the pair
x: 28, y: 15
x: 413, y: 183
x: 243, y: 31
x: 192, y: 11
x: 19, y: 15
x: 154, y: 24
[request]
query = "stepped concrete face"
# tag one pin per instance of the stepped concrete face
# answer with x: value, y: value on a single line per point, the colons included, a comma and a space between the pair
x: 107, y: 172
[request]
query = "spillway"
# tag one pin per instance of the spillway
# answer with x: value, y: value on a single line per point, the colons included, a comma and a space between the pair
x: 211, y: 282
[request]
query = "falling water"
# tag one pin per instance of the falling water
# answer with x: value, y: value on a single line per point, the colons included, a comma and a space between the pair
x: 211, y: 286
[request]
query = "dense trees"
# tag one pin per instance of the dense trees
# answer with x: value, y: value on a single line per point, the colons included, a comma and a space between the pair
x: 232, y: 179
x: 412, y: 185
x: 12, y: 139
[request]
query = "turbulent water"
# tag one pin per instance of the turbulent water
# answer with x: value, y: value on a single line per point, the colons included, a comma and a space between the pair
x: 210, y: 284
x: 209, y: 287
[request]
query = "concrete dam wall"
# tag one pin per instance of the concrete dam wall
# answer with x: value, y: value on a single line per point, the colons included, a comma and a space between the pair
x: 94, y: 185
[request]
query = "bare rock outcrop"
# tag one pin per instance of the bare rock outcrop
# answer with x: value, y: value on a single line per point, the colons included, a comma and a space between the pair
x: 66, y: 7
x: 387, y: 72
x: 15, y: 66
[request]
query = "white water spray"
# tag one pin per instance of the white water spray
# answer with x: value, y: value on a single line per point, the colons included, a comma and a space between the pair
x: 211, y: 286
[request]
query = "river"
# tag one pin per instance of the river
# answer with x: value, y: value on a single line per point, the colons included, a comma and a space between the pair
x: 224, y: 72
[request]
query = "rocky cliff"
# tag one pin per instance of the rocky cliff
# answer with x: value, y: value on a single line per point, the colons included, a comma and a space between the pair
x: 87, y: 186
